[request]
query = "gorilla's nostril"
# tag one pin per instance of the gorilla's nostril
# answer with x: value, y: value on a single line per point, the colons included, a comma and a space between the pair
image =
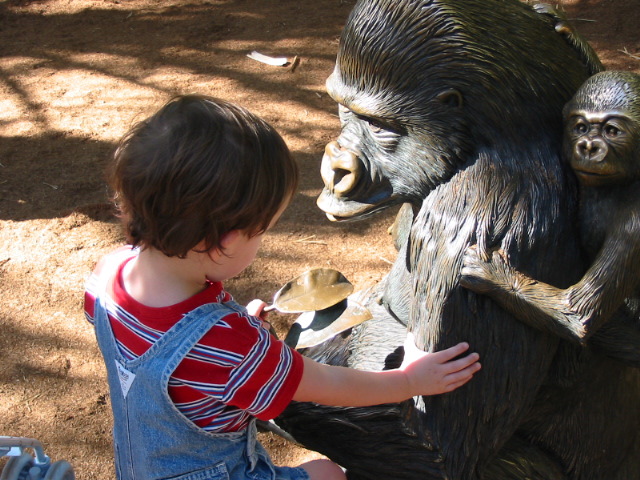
x: 343, y: 180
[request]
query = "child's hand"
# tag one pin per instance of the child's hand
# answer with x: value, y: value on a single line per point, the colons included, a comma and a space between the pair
x: 255, y: 308
x: 435, y: 373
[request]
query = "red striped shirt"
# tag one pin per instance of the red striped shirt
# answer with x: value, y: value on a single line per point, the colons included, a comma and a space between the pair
x: 236, y: 370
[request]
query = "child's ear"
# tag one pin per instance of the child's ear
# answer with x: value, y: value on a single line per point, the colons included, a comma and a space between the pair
x: 229, y: 238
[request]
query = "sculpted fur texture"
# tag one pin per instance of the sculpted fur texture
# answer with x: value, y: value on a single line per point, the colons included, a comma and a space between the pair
x: 455, y: 108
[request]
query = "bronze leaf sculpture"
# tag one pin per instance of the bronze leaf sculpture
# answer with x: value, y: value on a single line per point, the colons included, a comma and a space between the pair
x: 455, y: 108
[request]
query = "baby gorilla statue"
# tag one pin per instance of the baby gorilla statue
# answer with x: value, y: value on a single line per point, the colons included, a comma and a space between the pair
x: 602, y: 145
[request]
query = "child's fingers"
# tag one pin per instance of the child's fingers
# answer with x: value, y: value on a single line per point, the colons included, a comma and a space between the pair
x: 462, y: 363
x: 452, y: 386
x: 444, y: 356
x: 255, y: 307
x: 460, y: 377
x: 467, y: 371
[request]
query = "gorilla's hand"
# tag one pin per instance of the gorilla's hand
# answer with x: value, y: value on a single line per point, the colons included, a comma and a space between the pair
x: 485, y: 275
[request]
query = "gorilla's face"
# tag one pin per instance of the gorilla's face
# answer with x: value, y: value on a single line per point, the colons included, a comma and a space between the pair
x: 602, y: 146
x: 388, y: 152
x: 602, y: 129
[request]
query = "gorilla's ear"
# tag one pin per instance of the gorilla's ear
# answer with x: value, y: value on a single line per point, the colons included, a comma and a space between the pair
x: 450, y: 97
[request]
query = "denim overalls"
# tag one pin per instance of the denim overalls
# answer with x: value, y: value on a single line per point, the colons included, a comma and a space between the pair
x: 153, y: 440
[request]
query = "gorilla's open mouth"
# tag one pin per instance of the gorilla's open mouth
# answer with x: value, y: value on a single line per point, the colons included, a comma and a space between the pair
x: 341, y: 209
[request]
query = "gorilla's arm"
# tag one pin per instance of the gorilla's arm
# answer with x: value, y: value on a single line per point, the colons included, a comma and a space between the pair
x: 575, y: 313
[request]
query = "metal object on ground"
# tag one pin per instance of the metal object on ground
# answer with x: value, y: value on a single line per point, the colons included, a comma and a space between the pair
x: 26, y: 466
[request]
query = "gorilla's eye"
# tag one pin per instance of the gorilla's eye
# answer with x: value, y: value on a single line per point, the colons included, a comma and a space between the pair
x: 611, y: 131
x: 580, y: 128
x: 379, y: 127
x: 374, y: 126
x: 383, y: 136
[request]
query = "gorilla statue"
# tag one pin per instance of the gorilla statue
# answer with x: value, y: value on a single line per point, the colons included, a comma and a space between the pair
x: 454, y: 107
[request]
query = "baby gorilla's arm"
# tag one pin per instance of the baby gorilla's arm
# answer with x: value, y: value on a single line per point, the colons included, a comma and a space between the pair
x: 537, y: 304
x: 592, y: 308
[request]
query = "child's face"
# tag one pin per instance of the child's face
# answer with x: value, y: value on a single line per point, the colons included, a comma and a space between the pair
x: 240, y: 251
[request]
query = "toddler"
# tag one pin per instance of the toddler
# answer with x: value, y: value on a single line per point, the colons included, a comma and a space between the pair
x: 197, y: 185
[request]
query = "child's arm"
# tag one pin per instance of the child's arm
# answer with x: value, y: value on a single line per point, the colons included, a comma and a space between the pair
x: 420, y: 374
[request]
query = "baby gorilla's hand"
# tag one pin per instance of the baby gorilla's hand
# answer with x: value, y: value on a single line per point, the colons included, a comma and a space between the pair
x: 483, y: 275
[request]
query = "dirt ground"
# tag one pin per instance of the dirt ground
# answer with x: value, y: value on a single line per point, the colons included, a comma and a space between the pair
x: 74, y: 76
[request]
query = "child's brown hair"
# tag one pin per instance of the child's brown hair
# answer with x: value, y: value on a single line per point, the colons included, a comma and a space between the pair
x: 197, y: 169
